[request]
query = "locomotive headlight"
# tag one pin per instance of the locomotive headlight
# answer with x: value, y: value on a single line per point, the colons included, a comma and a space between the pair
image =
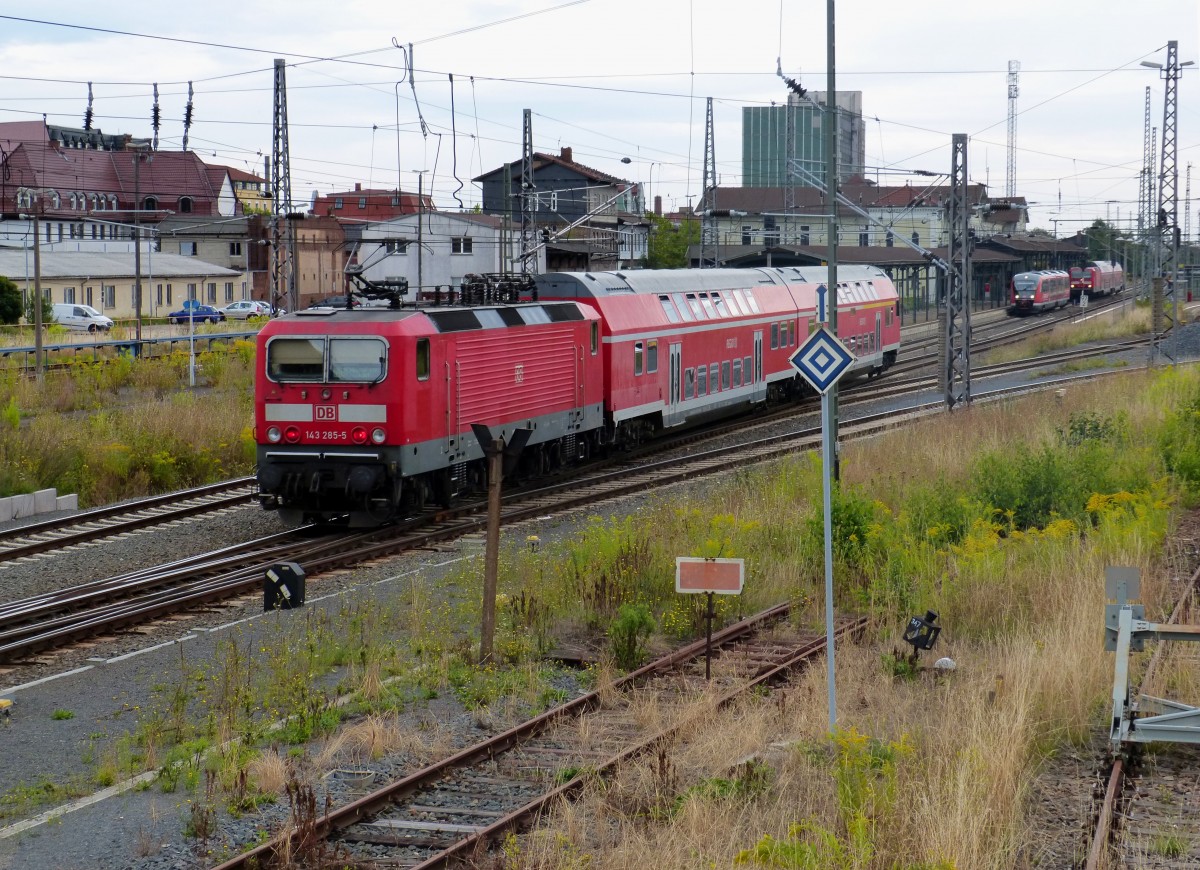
x: 273, y: 434
x: 378, y: 435
x: 291, y: 434
x: 358, y: 435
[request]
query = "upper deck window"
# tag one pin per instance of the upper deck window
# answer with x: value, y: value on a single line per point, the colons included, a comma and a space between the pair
x: 669, y: 309
x: 684, y: 311
x: 708, y: 306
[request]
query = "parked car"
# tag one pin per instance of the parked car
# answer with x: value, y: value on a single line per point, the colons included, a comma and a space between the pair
x: 246, y: 309
x: 81, y: 318
x: 199, y: 314
x: 336, y: 302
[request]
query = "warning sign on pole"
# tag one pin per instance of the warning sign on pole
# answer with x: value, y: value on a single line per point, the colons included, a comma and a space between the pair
x: 722, y: 576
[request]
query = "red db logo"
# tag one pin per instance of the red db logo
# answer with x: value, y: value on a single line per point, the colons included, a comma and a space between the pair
x: 326, y: 412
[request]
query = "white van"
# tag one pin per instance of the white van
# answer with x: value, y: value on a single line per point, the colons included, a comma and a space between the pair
x: 81, y: 318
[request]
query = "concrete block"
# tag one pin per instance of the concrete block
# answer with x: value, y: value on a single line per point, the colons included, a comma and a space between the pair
x: 6, y: 510
x: 67, y: 502
x: 44, y: 500
x: 22, y: 505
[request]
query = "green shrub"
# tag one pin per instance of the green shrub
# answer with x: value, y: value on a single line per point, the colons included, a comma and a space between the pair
x: 628, y: 633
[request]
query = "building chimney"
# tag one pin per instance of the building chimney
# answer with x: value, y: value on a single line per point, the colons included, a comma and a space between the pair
x: 357, y: 186
x: 658, y: 205
x: 565, y: 154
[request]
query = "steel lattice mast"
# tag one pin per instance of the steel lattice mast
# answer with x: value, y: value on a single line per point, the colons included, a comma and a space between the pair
x: 529, y: 263
x: 1145, y: 186
x: 283, y: 277
x: 708, y: 201
x: 1166, y: 249
x: 1010, y: 177
x: 956, y: 335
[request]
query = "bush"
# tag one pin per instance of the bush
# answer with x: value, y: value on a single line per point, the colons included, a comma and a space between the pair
x: 628, y: 633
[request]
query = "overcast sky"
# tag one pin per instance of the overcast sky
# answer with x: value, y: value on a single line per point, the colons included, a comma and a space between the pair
x: 619, y: 78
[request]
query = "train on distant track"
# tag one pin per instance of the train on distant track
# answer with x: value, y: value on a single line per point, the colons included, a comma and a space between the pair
x: 366, y: 414
x: 1098, y: 278
x: 1035, y: 292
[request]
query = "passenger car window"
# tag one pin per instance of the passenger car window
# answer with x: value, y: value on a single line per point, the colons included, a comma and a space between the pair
x: 684, y: 311
x: 651, y: 356
x: 637, y: 357
x: 669, y: 309
x: 689, y: 384
x: 702, y: 381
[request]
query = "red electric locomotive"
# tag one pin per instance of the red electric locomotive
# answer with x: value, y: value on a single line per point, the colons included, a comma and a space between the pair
x: 366, y: 412
x: 1098, y: 278
x: 1035, y: 292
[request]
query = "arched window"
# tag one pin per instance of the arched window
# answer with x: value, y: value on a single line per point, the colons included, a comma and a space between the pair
x: 185, y: 205
x: 24, y: 199
x: 150, y: 203
x: 112, y: 202
x: 95, y: 202
x: 74, y: 204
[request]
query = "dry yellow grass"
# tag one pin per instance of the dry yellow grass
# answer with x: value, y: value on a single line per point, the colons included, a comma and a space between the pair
x: 1034, y: 683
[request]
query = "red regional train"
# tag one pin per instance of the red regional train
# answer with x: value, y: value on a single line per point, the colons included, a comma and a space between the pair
x: 1098, y: 278
x: 1035, y: 292
x: 367, y: 413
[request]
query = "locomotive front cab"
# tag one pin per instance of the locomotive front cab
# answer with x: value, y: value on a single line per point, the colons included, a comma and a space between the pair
x: 323, y: 449
x: 1024, y: 293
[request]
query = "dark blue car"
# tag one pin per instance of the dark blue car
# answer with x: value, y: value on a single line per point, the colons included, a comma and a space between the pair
x: 199, y: 314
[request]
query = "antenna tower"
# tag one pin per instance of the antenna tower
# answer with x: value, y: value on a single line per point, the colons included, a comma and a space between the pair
x: 1010, y: 178
x: 283, y: 278
x: 708, y: 201
x: 528, y: 194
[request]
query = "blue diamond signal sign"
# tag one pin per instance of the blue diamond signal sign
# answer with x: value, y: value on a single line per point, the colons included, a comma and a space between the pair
x: 822, y: 359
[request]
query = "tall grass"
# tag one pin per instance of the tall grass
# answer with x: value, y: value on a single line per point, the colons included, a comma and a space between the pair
x: 1002, y: 519
x: 121, y: 429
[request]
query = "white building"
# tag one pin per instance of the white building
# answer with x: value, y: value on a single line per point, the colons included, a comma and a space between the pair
x: 437, y: 249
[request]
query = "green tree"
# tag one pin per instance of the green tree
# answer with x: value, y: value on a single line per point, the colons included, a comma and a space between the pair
x: 669, y: 242
x: 47, y: 310
x: 10, y: 301
x: 1102, y: 241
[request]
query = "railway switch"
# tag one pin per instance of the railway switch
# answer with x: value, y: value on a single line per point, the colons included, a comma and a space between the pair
x: 283, y: 587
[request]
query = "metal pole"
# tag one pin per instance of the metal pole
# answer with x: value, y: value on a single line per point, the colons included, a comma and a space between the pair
x: 420, y: 233
x: 831, y: 125
x: 708, y: 621
x: 827, y: 452
x: 491, y: 559
x: 137, y: 250
x: 37, y: 291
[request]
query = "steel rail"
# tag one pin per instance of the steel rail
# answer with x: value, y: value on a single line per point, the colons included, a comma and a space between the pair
x: 235, y: 575
x: 1105, y: 825
x: 486, y: 750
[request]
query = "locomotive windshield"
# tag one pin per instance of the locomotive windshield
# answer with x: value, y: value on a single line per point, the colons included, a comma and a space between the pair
x: 333, y: 360
x: 1025, y: 284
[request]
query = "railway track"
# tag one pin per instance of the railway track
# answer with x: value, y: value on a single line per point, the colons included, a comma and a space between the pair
x: 456, y: 807
x: 31, y: 626
x: 1146, y: 817
x: 111, y: 520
